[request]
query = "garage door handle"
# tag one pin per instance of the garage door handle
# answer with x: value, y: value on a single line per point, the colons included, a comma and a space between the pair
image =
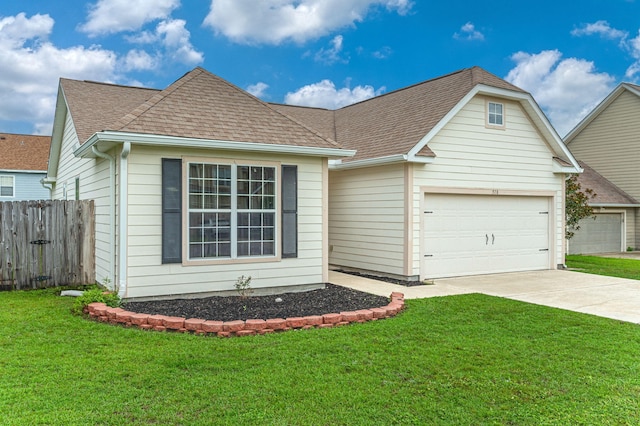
x: 493, y: 238
x: 486, y: 243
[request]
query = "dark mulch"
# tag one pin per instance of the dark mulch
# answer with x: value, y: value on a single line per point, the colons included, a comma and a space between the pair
x: 333, y: 298
x: 385, y: 279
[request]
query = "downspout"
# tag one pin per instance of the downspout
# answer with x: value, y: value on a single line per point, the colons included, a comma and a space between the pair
x: 112, y: 209
x: 123, y: 205
x: 47, y: 185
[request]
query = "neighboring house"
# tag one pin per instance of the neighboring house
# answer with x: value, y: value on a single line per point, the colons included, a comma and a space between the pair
x: 613, y: 222
x: 23, y: 164
x: 607, y: 139
x: 459, y: 175
x: 200, y: 183
x: 194, y: 186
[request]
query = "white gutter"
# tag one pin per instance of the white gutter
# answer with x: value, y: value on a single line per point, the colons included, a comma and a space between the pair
x: 614, y: 206
x: 23, y: 171
x: 112, y: 210
x: 123, y: 234
x: 379, y: 161
x: 173, y: 141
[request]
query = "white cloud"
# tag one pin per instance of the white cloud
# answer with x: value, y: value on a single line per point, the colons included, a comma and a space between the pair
x: 332, y: 55
x: 31, y: 67
x: 325, y: 95
x: 113, y: 16
x: 601, y: 28
x: 176, y: 40
x: 566, y: 89
x: 139, y: 60
x: 258, y: 90
x: 276, y: 21
x: 468, y: 32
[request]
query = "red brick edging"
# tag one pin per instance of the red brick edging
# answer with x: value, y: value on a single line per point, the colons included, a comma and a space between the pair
x: 103, y: 313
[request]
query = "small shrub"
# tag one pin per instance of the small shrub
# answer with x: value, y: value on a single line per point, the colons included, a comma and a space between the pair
x: 243, y: 286
x: 95, y: 295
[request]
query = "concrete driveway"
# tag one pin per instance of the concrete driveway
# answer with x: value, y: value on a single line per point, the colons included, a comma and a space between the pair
x: 610, y: 297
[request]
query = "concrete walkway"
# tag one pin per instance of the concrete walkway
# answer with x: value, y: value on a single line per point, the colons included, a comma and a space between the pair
x: 609, y: 297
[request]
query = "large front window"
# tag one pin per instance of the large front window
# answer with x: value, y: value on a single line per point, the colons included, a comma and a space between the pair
x: 232, y: 210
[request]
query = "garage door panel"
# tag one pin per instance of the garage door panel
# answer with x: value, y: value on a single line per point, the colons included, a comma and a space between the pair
x: 600, y: 233
x: 474, y: 234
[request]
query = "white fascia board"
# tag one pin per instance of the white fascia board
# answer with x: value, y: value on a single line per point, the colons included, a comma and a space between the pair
x: 558, y: 168
x: 379, y: 161
x: 39, y: 172
x: 84, y: 150
x: 57, y: 132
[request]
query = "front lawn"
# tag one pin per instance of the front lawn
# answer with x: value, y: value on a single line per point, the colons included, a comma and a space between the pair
x: 469, y: 359
x: 613, y: 267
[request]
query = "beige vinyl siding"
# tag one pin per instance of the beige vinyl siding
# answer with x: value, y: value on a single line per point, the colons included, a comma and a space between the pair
x: 611, y: 143
x: 147, y: 276
x: 471, y: 156
x: 94, y: 185
x: 635, y: 242
x: 366, y: 219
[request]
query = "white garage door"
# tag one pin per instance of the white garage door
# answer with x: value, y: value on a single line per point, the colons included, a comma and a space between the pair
x: 480, y: 234
x: 600, y: 235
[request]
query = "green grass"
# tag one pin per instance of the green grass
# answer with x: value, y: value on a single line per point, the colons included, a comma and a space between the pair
x: 622, y: 268
x: 469, y: 359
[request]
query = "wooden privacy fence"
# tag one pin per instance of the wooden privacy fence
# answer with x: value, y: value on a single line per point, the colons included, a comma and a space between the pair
x: 46, y: 243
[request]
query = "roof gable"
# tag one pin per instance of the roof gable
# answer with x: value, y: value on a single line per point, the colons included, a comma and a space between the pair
x: 201, y: 105
x: 601, y: 107
x: 24, y: 152
x: 395, y: 122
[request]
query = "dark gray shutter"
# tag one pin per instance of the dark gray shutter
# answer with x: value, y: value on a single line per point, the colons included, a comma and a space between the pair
x: 289, y: 211
x: 171, y: 210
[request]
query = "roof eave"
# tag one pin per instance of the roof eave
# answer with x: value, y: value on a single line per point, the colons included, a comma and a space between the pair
x: 380, y: 161
x: 614, y: 205
x: 57, y: 133
x: 110, y: 138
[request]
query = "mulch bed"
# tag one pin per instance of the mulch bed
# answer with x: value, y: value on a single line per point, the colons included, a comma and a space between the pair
x: 331, y: 299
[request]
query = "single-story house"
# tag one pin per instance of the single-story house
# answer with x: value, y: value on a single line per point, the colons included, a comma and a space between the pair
x: 200, y: 183
x: 613, y: 222
x: 458, y: 175
x: 607, y: 140
x: 23, y: 164
x: 195, y: 186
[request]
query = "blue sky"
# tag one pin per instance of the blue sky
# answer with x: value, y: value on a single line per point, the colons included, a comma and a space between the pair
x: 325, y: 53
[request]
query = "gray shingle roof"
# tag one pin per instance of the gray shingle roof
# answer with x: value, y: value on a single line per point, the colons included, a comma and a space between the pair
x: 606, y: 192
x: 96, y: 106
x: 199, y: 105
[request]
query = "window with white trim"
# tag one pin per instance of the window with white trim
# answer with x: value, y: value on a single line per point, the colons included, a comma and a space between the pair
x: 7, y: 186
x: 231, y: 211
x: 495, y: 114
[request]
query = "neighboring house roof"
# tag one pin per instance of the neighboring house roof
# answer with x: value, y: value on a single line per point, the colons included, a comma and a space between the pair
x: 199, y: 105
x: 24, y: 152
x: 606, y: 193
